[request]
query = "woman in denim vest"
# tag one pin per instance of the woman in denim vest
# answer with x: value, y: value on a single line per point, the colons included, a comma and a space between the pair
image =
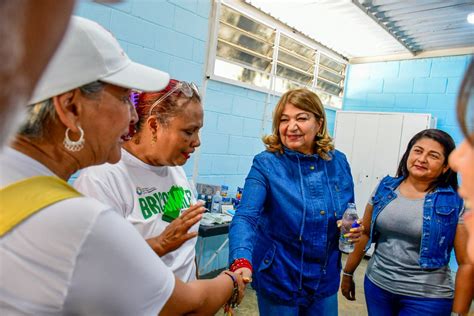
x: 462, y: 159
x: 415, y: 220
x: 284, y: 233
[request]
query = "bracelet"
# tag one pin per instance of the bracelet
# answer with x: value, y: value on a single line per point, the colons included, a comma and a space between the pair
x: 240, y: 263
x: 347, y: 274
x: 235, y: 291
x: 234, y: 281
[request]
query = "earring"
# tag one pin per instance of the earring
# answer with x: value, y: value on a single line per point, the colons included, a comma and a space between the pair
x: 320, y: 133
x: 74, y: 145
x: 136, y: 139
x: 153, y: 139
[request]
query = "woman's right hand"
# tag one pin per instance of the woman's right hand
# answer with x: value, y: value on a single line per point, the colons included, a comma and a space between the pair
x: 246, y: 274
x: 348, y: 287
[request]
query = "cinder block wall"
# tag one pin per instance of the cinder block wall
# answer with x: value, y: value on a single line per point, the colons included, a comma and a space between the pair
x: 172, y: 36
x: 421, y: 86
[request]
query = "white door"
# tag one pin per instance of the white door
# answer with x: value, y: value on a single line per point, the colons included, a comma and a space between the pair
x: 344, y: 129
x: 387, y: 148
x: 360, y: 153
x: 374, y: 144
x: 412, y: 124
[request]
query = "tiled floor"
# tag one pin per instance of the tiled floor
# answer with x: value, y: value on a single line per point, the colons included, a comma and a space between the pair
x: 353, y: 308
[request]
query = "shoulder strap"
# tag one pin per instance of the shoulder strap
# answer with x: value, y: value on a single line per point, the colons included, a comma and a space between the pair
x: 20, y: 200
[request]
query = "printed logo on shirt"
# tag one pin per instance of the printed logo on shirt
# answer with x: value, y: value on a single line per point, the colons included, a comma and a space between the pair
x: 170, y: 202
x: 141, y: 191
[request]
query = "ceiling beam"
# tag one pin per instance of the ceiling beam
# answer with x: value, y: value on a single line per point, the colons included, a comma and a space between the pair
x: 423, y: 54
x: 369, y: 14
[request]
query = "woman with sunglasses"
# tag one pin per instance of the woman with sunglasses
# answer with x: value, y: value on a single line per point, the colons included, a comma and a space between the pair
x: 148, y: 186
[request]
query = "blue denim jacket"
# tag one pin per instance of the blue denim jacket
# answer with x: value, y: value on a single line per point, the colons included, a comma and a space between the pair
x: 440, y: 218
x: 286, y: 224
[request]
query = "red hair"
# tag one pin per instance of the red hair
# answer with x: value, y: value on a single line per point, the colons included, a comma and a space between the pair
x: 166, y: 109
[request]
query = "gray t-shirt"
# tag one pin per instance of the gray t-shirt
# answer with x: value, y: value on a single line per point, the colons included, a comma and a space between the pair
x: 394, y: 265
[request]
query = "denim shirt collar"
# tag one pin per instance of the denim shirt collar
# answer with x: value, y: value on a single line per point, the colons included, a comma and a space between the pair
x: 293, y: 153
x: 446, y: 189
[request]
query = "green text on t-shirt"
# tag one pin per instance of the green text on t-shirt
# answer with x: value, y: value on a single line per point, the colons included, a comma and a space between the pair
x: 170, y: 202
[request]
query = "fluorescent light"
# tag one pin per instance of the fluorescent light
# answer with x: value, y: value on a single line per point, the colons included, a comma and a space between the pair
x: 470, y: 17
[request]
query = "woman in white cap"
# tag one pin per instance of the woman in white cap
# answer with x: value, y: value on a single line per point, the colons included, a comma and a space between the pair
x: 63, y: 253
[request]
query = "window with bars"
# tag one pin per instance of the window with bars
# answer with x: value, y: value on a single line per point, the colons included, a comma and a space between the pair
x: 262, y: 56
x: 244, y: 49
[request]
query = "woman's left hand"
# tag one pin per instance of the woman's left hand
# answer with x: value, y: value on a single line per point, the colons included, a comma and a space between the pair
x: 355, y: 233
x: 177, y: 232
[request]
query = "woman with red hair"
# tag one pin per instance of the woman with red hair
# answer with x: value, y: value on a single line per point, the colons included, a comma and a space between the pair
x: 148, y: 186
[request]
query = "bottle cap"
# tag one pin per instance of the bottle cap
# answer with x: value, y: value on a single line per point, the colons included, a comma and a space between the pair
x: 355, y: 224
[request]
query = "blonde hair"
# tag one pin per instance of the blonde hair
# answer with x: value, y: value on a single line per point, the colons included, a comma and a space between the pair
x: 306, y: 100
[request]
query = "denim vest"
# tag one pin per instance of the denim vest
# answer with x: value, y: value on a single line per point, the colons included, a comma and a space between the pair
x: 286, y: 224
x: 440, y: 218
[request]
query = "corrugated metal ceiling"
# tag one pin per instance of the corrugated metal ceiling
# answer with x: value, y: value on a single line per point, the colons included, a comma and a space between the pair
x: 361, y: 29
x: 425, y: 25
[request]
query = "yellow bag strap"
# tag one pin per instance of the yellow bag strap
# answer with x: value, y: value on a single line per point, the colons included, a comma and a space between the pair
x: 20, y: 200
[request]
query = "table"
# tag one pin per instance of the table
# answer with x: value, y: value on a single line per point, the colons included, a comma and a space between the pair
x: 214, y: 230
x: 209, y: 231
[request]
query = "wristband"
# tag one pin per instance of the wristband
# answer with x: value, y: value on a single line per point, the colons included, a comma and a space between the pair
x: 240, y: 263
x: 347, y: 274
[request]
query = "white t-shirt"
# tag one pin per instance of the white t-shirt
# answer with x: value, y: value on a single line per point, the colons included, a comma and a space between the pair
x: 76, y: 257
x: 140, y: 193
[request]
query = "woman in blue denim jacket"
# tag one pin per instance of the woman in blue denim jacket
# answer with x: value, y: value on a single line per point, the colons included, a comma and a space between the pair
x: 284, y: 233
x: 415, y: 221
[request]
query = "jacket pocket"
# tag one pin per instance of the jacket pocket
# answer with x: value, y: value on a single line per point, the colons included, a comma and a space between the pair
x: 442, y: 233
x: 267, y: 259
x: 274, y: 277
x: 446, y: 215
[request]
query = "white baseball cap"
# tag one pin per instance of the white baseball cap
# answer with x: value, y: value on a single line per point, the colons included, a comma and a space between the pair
x: 88, y: 53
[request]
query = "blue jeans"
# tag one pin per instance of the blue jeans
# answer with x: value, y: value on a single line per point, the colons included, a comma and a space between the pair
x: 326, y: 306
x: 382, y: 302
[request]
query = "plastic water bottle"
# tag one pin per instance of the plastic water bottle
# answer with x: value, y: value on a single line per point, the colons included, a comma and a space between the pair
x: 208, y: 204
x: 216, y: 202
x: 349, y: 220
